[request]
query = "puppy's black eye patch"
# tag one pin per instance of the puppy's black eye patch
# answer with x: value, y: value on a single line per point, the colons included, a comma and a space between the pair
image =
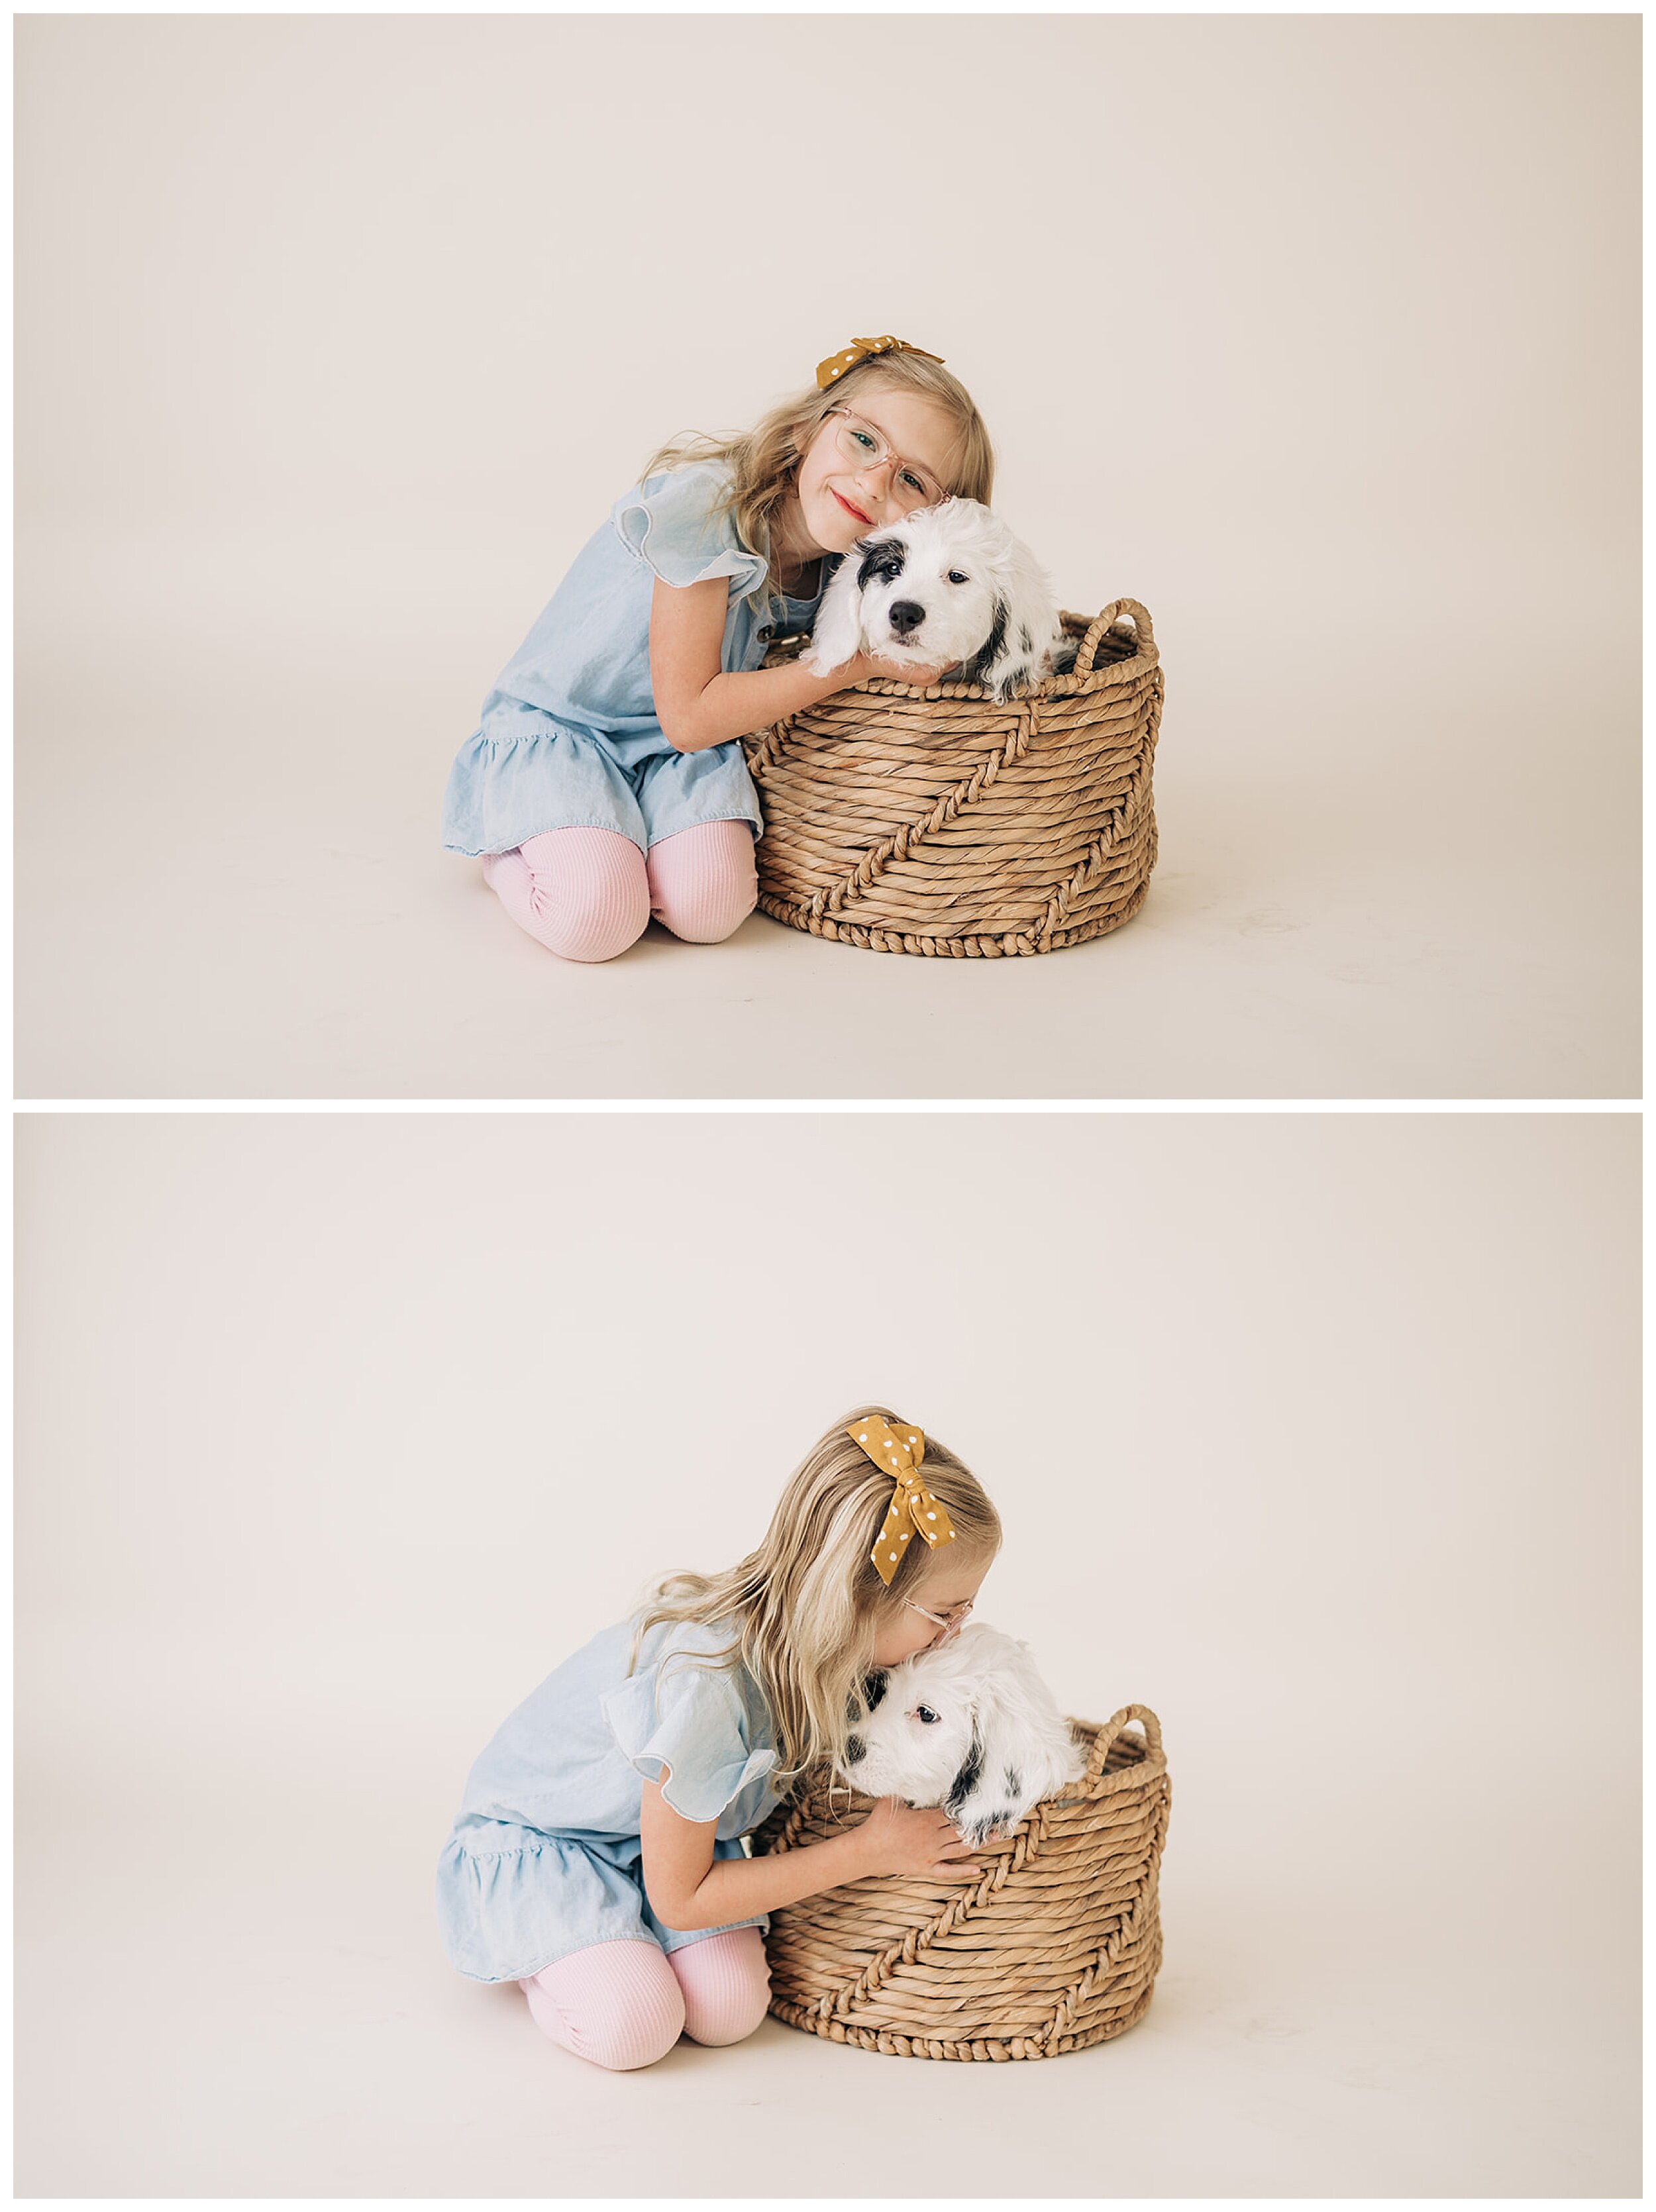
x: 874, y: 1688
x: 883, y: 561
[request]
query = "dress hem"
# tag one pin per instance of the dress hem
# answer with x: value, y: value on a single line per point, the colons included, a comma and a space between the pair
x: 691, y: 1935
x: 493, y: 851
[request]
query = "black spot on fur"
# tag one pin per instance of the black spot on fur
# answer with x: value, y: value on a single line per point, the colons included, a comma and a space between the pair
x: 855, y: 1749
x: 874, y: 1688
x: 966, y: 1780
x: 883, y: 560
x: 993, y: 646
x: 1023, y: 637
x: 1013, y: 1782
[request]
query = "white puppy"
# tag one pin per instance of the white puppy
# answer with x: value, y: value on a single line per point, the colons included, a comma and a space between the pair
x: 968, y: 1725
x: 947, y: 587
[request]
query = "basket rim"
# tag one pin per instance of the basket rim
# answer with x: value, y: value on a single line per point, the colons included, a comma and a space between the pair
x: 1146, y: 654
x: 1151, y: 1763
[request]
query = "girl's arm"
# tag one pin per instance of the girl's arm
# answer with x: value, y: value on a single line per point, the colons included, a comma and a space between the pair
x: 698, y: 706
x: 688, y: 1888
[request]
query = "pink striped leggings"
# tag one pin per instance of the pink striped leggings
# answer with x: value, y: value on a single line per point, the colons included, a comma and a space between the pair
x: 588, y: 894
x: 626, y: 2004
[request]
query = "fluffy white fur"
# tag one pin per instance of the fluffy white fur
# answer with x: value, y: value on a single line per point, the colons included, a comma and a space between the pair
x: 947, y: 587
x: 995, y: 1745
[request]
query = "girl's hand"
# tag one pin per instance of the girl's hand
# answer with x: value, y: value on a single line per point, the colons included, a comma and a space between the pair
x: 868, y: 664
x: 900, y: 1838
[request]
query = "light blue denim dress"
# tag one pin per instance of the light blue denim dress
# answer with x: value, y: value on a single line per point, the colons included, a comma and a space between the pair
x: 545, y: 1857
x: 569, y: 737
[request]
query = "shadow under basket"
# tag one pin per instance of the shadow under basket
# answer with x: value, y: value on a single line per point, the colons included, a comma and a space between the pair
x: 943, y: 822
x: 1054, y: 1948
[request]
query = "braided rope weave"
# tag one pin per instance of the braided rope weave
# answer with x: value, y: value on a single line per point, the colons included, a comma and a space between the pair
x: 1055, y: 1946
x: 939, y: 822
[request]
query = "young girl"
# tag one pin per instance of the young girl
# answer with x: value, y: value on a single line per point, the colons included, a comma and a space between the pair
x: 604, y: 783
x: 597, y: 1861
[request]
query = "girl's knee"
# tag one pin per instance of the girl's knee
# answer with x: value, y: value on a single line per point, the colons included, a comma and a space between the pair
x: 705, y: 922
x: 619, y: 2006
x: 703, y: 882
x: 725, y: 1982
x: 598, y: 931
x: 623, y: 2042
x: 732, y: 2022
x: 583, y: 893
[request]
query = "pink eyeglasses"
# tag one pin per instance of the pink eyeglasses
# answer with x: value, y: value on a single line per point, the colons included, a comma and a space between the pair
x: 865, y: 447
x: 954, y: 1621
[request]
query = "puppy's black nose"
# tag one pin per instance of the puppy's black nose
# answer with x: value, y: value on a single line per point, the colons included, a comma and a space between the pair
x: 903, y: 616
x: 855, y: 1748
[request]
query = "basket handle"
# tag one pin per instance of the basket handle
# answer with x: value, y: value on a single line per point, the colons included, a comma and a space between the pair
x: 1101, y: 623
x: 1112, y: 1728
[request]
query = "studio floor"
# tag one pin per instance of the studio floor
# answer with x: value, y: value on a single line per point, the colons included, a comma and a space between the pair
x: 1402, y: 872
x: 248, y: 1998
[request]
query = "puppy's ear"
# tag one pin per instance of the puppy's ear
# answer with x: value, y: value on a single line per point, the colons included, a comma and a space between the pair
x: 963, y: 1802
x: 1026, y: 1749
x: 990, y: 659
x: 838, y: 632
x: 1029, y: 626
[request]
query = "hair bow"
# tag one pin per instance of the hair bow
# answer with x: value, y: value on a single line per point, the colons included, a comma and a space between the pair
x: 859, y: 349
x: 913, y: 1510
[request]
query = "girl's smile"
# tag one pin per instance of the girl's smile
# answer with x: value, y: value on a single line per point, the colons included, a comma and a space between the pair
x: 837, y: 501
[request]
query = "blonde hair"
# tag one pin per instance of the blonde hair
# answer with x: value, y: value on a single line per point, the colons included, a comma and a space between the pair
x: 806, y: 1606
x: 764, y: 461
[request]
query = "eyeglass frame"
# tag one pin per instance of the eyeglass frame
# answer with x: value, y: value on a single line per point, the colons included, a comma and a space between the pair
x: 953, y: 1621
x: 888, y: 453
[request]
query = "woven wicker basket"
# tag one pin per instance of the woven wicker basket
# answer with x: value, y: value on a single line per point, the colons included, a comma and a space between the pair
x: 939, y: 822
x: 1055, y: 1948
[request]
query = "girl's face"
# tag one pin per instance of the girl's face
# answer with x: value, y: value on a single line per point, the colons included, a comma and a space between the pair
x: 841, y: 499
x: 946, y: 1583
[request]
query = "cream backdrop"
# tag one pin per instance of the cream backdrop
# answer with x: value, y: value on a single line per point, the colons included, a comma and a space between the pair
x: 1316, y: 1434
x: 1320, y: 335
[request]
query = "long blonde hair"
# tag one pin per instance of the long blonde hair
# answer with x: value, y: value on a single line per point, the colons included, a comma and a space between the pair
x: 806, y: 1608
x: 764, y: 462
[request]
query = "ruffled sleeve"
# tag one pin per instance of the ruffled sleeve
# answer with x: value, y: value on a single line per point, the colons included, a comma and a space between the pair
x: 667, y: 523
x: 685, y: 1725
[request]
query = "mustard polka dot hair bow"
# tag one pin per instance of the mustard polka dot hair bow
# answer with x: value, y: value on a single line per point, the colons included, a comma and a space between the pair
x: 859, y: 349
x: 913, y: 1510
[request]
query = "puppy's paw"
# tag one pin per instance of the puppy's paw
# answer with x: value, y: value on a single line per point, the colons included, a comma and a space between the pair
x: 989, y: 1828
